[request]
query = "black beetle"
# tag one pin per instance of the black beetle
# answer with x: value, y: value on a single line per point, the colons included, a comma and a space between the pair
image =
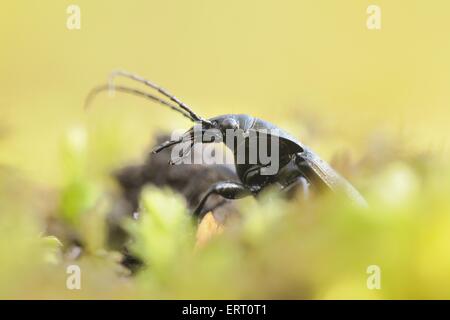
x: 298, y: 164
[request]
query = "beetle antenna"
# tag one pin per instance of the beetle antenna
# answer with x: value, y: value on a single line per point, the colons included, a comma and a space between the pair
x: 93, y: 93
x: 164, y: 92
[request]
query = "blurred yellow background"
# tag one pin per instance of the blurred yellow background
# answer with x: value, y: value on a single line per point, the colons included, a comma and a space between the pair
x: 295, y: 63
x: 311, y: 67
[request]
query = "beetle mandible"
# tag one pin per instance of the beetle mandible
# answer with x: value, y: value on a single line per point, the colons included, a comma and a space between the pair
x: 298, y: 164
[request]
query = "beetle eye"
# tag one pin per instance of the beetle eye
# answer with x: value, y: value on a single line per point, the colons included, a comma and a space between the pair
x: 229, y: 123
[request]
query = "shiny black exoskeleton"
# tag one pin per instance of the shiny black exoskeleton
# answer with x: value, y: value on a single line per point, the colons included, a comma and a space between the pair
x: 297, y: 164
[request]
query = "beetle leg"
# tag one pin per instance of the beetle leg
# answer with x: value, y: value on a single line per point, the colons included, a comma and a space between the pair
x: 226, y: 189
x: 187, y: 136
x: 299, y: 182
x: 166, y: 144
x: 186, y: 153
x: 253, y: 177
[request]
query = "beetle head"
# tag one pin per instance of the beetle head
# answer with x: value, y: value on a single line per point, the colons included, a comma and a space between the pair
x: 209, y: 130
x: 224, y: 123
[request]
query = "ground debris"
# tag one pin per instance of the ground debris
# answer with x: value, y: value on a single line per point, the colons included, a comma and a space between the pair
x: 190, y: 180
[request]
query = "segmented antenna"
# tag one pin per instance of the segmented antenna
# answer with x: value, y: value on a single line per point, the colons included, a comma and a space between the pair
x: 164, y: 92
x: 107, y: 87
